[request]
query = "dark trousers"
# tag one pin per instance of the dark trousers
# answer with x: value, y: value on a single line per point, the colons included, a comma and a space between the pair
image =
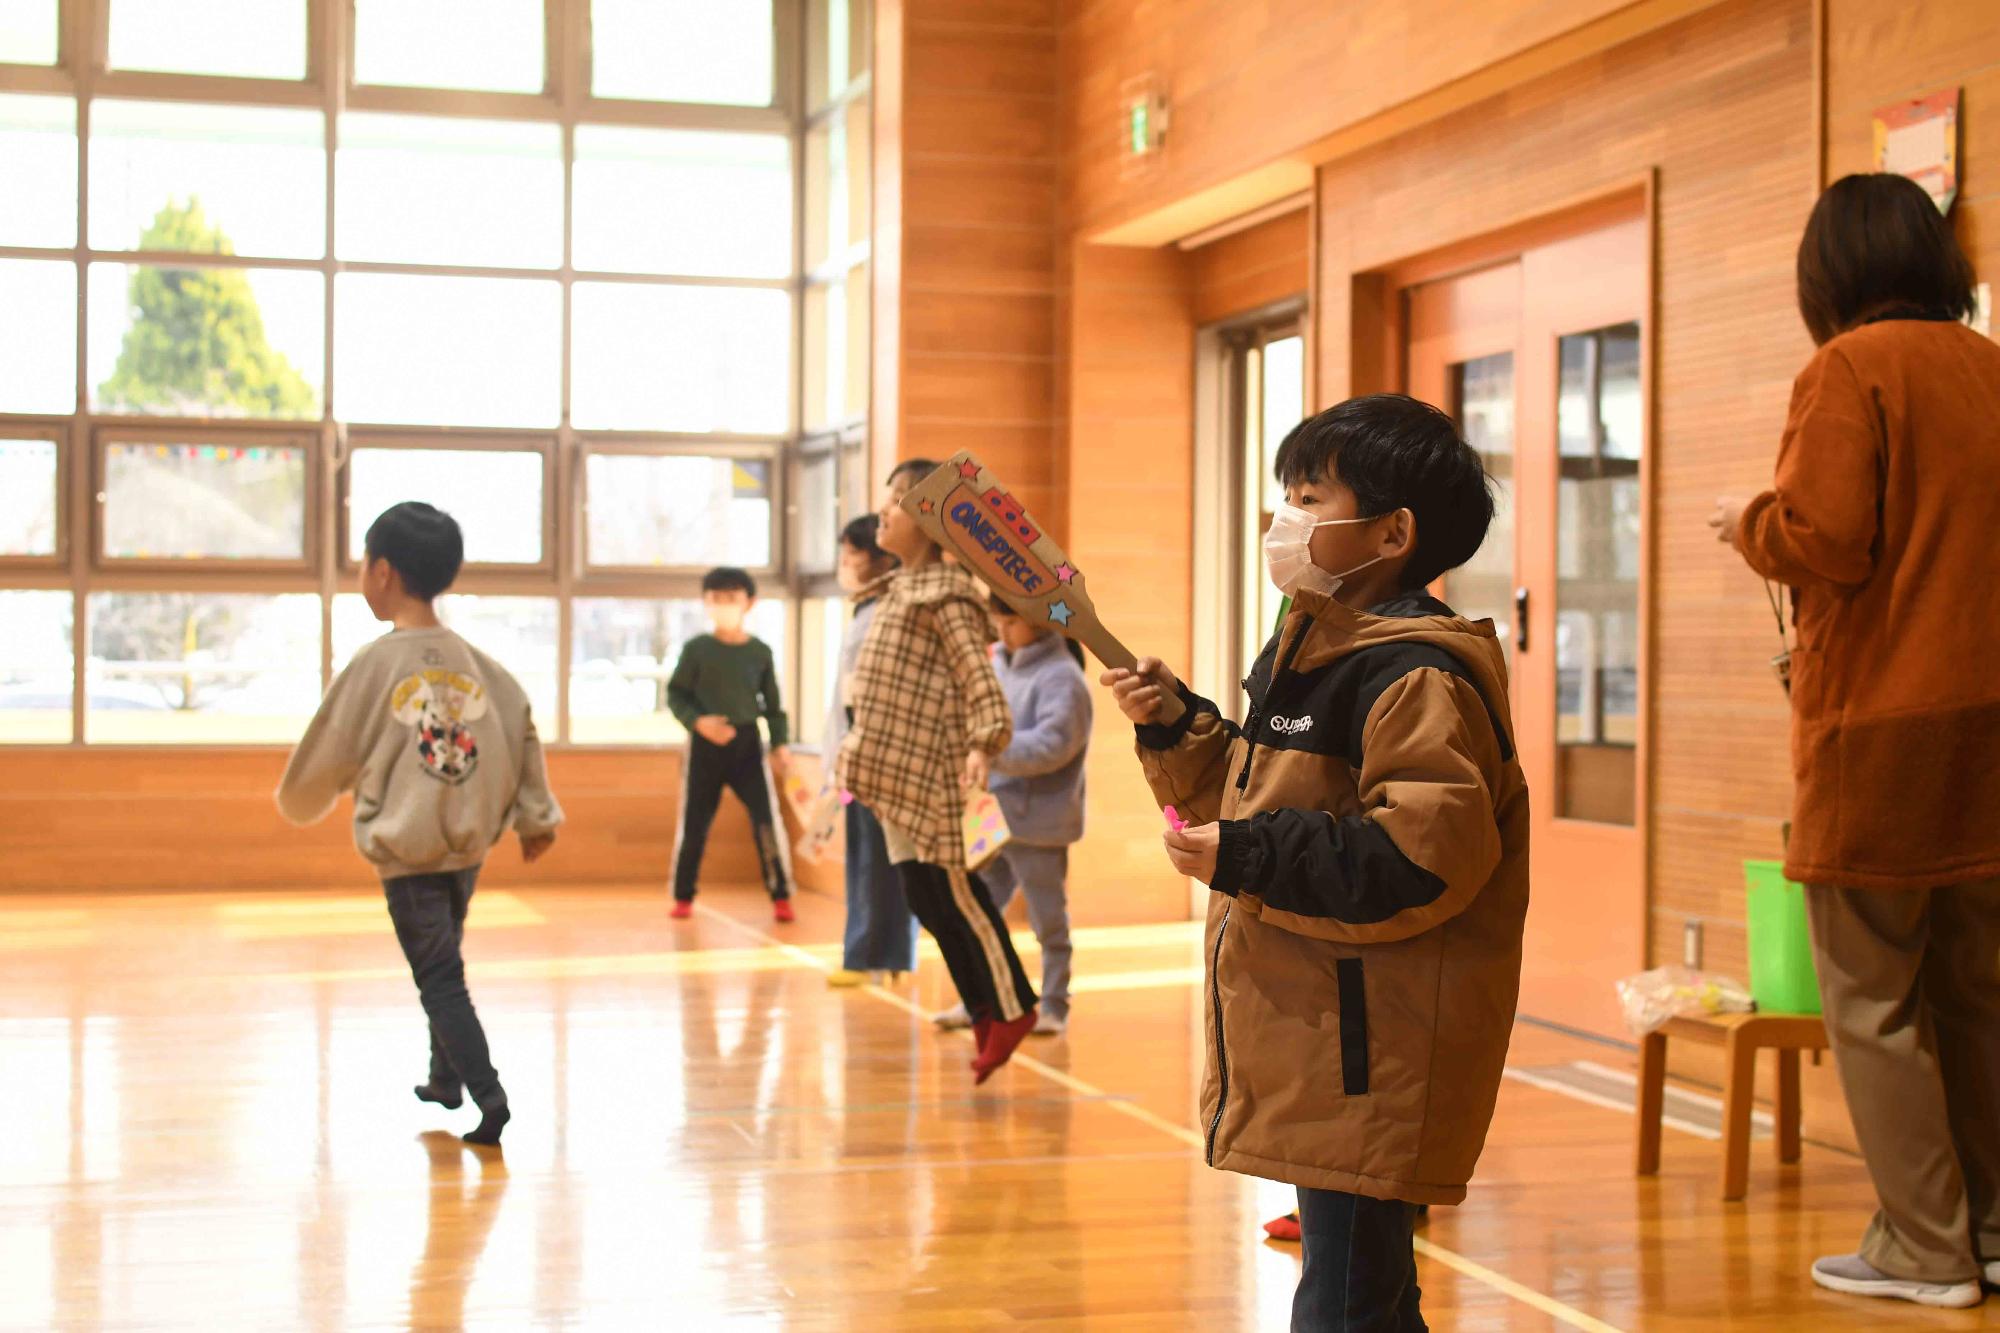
x: 958, y: 912
x: 429, y: 915
x: 1361, y: 1269
x: 740, y: 767
x: 881, y: 933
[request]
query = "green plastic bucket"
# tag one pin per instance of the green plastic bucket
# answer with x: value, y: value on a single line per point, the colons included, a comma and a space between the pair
x: 1782, y: 977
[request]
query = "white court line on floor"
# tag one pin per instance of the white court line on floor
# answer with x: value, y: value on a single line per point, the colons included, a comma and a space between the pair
x: 1608, y: 1103
x: 1478, y: 1272
x: 1763, y: 1119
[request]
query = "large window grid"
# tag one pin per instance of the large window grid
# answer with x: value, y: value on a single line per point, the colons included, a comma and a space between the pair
x: 297, y: 428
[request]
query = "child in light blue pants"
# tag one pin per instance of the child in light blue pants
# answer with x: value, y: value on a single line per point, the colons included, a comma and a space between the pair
x: 1038, y: 781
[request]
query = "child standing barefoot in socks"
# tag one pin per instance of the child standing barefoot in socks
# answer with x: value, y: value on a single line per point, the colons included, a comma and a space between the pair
x: 929, y: 716
x: 436, y: 742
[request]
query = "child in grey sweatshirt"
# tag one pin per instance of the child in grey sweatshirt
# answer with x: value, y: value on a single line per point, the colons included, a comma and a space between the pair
x: 436, y: 742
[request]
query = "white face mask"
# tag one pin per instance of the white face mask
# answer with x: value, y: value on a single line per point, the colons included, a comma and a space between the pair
x: 1288, y: 551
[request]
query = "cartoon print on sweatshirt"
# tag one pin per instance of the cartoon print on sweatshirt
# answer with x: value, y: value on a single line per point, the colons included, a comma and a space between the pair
x: 441, y: 705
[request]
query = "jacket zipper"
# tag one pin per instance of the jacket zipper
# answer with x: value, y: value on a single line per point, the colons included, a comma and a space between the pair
x: 1221, y: 1052
x: 1256, y: 720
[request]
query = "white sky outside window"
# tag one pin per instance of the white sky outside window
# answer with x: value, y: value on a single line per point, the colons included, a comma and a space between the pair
x: 484, y: 45
x: 495, y: 496
x: 37, y: 335
x: 38, y: 166
x: 245, y: 38
x: 712, y: 51
x: 681, y: 358
x: 683, y: 201
x: 439, y: 190
x: 259, y: 173
x: 36, y: 671
x: 29, y: 32
x: 447, y: 351
x: 674, y: 509
x: 27, y: 497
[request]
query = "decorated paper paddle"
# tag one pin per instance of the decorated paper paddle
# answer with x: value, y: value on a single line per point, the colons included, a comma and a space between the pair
x: 971, y: 513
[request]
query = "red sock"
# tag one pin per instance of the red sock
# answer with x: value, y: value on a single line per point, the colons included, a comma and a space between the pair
x: 683, y: 909
x: 998, y: 1048
x: 781, y: 910
x: 980, y: 1027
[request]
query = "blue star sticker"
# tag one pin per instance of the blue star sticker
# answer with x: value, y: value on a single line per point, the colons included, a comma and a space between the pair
x: 1060, y: 613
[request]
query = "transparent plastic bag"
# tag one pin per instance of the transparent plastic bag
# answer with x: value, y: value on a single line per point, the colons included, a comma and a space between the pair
x: 1651, y: 998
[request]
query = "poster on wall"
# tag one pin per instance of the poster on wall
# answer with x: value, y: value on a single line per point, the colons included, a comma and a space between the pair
x: 1919, y: 139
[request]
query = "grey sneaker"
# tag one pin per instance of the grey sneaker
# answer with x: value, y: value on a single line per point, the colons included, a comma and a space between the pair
x: 954, y: 1019
x: 1051, y: 1025
x: 1855, y: 1276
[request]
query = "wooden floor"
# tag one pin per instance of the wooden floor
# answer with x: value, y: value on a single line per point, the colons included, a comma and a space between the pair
x: 206, y: 1123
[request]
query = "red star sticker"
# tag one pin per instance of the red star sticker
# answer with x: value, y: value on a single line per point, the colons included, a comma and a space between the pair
x: 928, y: 506
x: 968, y: 469
x: 1065, y: 572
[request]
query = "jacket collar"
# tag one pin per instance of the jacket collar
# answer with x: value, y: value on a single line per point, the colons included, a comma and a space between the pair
x: 1403, y: 606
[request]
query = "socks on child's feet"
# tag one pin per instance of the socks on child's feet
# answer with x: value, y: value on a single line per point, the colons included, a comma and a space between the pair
x: 683, y: 909
x: 998, y: 1048
x: 440, y: 1095
x: 491, y: 1121
x: 781, y: 911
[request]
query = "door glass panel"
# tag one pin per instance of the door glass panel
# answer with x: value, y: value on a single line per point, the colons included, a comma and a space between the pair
x: 1598, y: 418
x: 1482, y: 392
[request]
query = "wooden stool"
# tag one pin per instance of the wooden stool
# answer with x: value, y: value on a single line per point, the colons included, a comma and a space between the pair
x: 1743, y: 1035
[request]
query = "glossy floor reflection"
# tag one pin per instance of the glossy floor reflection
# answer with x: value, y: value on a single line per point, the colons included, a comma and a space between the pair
x: 208, y: 1124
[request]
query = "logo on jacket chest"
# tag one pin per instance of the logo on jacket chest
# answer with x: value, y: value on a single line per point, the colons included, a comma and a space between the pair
x: 1291, y: 726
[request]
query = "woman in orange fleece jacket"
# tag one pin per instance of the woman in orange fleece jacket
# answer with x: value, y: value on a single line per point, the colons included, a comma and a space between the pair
x: 1883, y: 522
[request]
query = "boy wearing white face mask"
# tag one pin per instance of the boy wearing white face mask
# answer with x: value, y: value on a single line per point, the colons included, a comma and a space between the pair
x: 1365, y: 835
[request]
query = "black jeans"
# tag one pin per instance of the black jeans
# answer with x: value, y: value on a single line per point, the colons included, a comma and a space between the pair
x: 429, y: 915
x: 741, y: 767
x: 958, y: 912
x: 1361, y: 1269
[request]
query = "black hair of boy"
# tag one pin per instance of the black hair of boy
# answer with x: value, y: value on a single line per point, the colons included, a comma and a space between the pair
x: 422, y: 544
x: 728, y: 578
x: 864, y: 535
x: 998, y: 606
x: 1395, y: 453
x: 916, y: 469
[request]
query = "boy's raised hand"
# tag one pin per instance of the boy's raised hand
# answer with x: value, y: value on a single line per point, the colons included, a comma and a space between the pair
x: 533, y: 847
x: 1143, y: 692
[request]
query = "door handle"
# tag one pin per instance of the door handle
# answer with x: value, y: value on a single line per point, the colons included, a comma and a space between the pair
x: 1521, y: 619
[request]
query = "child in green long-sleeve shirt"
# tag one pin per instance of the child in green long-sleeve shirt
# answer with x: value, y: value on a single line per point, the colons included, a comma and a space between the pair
x: 723, y: 683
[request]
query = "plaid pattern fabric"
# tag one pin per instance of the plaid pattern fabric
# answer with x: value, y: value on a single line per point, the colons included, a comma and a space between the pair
x: 924, y: 694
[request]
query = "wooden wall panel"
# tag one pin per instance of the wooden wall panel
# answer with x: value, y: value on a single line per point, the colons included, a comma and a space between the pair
x: 1253, y: 267
x: 1719, y: 107
x: 1130, y: 395
x: 1254, y: 80
x: 978, y: 174
x: 1878, y: 54
x: 204, y: 819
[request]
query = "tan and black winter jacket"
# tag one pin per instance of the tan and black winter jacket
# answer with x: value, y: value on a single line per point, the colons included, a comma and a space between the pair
x: 1364, y: 935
